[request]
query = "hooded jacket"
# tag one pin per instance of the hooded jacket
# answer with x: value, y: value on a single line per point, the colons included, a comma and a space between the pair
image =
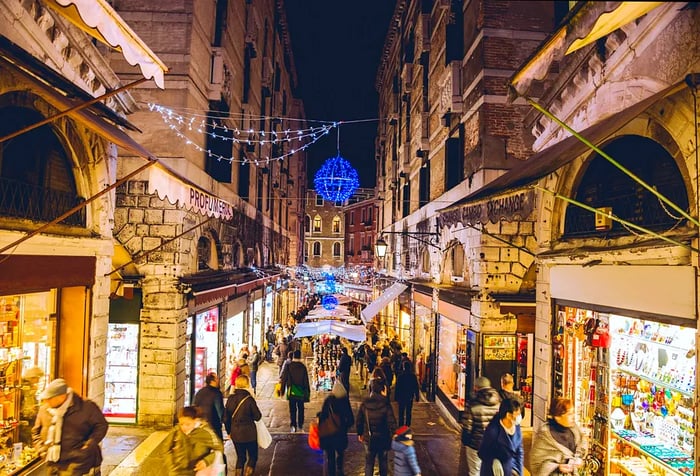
x: 376, y: 412
x: 497, y: 444
x: 405, y: 459
x: 339, y: 403
x: 183, y: 451
x: 478, y: 413
x: 295, y: 373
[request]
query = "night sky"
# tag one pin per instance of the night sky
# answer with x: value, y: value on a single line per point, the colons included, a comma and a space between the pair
x: 337, y: 45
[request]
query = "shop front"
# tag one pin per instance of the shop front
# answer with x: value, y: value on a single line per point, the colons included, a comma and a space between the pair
x: 235, y: 331
x: 628, y: 361
x: 424, y: 344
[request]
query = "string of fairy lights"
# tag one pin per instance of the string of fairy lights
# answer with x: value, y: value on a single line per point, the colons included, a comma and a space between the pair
x: 185, y: 124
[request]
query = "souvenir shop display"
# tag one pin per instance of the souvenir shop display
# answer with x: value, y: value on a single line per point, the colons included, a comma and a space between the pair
x: 633, y: 384
x: 326, y: 352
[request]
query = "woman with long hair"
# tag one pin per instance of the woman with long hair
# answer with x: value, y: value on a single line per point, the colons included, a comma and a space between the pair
x: 240, y: 415
x: 336, y: 408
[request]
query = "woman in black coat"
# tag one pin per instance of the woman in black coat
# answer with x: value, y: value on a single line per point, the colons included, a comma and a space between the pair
x: 336, y: 406
x: 240, y: 415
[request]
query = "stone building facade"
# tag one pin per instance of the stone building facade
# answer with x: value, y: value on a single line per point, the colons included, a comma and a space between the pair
x: 360, y: 229
x: 212, y: 228
x: 448, y: 129
x: 324, y: 232
x: 57, y: 188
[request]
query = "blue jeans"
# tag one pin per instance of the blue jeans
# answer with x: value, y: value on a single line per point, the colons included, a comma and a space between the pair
x: 254, y: 379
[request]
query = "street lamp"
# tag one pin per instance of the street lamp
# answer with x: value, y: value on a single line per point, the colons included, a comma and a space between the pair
x: 380, y: 247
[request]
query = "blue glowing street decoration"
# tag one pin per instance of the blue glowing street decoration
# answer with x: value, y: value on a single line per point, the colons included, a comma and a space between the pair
x: 336, y: 180
x: 329, y: 302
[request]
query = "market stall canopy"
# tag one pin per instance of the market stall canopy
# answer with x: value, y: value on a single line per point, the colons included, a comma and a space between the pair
x: 340, y: 312
x: 98, y: 19
x: 350, y: 332
x: 389, y: 294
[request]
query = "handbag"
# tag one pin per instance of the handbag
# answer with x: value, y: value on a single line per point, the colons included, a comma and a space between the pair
x: 314, y: 440
x: 329, y: 426
x: 296, y: 391
x: 264, y: 437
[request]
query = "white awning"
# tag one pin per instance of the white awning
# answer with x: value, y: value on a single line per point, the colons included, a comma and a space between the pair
x: 168, y: 185
x: 389, y: 294
x: 350, y: 332
x: 99, y: 20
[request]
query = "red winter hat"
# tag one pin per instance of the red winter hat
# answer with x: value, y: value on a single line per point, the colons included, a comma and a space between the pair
x: 404, y: 433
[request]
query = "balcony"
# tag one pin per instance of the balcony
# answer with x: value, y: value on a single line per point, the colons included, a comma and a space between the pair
x: 21, y: 200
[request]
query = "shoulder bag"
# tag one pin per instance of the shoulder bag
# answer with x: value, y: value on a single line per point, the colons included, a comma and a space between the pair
x: 330, y: 425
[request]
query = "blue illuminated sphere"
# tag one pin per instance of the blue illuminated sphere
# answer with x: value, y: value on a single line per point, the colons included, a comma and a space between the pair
x: 329, y: 302
x: 336, y: 180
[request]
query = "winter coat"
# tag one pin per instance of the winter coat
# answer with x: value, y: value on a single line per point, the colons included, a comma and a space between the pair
x: 84, y: 427
x: 376, y: 410
x: 344, y: 363
x: 547, y: 453
x: 182, y: 452
x: 386, y: 367
x: 405, y: 458
x: 210, y: 401
x: 295, y: 373
x: 281, y: 352
x: 477, y: 415
x: 254, y: 361
x: 341, y: 408
x: 406, y: 387
x: 241, y: 426
x: 497, y: 444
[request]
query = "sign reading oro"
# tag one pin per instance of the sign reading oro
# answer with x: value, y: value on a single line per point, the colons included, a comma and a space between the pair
x: 510, y: 207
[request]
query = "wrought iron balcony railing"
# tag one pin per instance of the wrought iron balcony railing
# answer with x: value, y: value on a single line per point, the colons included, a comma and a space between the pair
x: 21, y: 200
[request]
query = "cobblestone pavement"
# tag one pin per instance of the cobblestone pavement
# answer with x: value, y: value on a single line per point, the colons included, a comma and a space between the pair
x: 130, y: 450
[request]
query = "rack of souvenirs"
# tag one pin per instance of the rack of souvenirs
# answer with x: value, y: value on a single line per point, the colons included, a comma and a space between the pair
x: 326, y: 352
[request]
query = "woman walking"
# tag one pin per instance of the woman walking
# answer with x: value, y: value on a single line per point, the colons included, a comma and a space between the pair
x: 240, y: 415
x: 501, y: 449
x: 336, y: 408
x: 557, y: 447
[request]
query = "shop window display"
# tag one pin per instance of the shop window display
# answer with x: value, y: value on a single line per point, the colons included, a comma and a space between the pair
x: 633, y: 382
x: 27, y: 337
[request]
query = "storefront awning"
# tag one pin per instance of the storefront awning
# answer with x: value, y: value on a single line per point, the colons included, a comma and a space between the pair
x: 350, y: 332
x: 587, y: 23
x: 171, y: 186
x: 558, y: 155
x: 57, y: 91
x: 99, y: 20
x: 208, y: 289
x: 389, y: 294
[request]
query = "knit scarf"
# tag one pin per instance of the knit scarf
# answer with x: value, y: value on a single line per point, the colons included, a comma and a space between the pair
x: 53, y: 437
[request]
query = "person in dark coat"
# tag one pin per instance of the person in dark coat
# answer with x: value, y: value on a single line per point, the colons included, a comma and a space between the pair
x: 344, y: 367
x: 210, y: 402
x: 295, y: 377
x: 388, y: 373
x: 477, y: 414
x: 334, y: 446
x: 254, y: 363
x: 501, y: 450
x: 406, y: 391
x: 281, y: 353
x: 240, y: 416
x: 68, y: 431
x: 375, y: 425
x: 405, y: 458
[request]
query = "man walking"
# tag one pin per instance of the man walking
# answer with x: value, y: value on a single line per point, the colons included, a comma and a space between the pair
x: 344, y: 368
x: 210, y: 402
x: 68, y: 431
x: 478, y: 413
x: 375, y: 425
x: 294, y: 381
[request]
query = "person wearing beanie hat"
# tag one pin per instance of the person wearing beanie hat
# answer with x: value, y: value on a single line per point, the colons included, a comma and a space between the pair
x: 69, y: 429
x: 405, y: 458
x: 478, y: 412
x: 335, y: 413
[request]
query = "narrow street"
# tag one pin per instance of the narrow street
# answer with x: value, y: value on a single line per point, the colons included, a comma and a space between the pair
x: 437, y: 441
